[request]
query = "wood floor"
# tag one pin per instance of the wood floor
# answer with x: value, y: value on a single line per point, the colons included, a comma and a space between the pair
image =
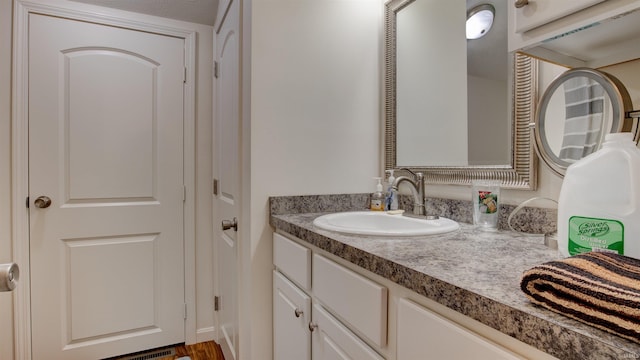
x: 202, y: 351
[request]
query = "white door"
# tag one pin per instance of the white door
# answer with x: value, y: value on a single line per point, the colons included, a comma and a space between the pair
x: 106, y: 146
x: 227, y: 159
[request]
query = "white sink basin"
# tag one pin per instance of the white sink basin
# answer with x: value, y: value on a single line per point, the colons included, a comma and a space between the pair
x: 382, y: 224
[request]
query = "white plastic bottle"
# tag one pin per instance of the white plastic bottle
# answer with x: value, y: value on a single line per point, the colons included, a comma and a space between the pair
x: 599, y: 203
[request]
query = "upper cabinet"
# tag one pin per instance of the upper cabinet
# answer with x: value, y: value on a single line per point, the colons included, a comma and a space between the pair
x: 574, y: 33
x: 528, y: 15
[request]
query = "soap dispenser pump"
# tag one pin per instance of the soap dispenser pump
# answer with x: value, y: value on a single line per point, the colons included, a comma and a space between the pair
x: 391, y: 201
x: 377, y: 198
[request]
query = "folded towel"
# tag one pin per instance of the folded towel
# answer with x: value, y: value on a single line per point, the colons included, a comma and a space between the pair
x: 597, y: 288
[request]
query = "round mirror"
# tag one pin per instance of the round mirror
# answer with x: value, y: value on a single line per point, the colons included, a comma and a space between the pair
x: 576, y: 111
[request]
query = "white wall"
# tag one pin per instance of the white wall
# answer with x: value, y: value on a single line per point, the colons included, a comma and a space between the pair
x: 315, y: 120
x: 628, y: 73
x: 204, y: 96
x: 6, y: 317
x: 315, y: 126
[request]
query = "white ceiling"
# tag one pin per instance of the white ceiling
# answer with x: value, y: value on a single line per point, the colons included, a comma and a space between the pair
x: 196, y: 11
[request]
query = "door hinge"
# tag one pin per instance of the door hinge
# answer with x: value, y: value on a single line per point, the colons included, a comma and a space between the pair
x: 216, y: 303
x: 215, y: 186
x: 185, y: 311
x: 27, y: 202
x: 184, y: 80
x: 216, y: 71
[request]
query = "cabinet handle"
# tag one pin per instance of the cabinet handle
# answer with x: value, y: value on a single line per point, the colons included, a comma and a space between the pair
x: 298, y: 312
x: 521, y: 3
x: 312, y: 326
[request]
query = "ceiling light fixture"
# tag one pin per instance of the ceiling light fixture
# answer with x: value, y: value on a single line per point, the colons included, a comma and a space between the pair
x: 479, y: 21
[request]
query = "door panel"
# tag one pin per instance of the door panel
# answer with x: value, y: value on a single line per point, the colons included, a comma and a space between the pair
x: 228, y: 169
x: 106, y: 145
x: 100, y: 168
x: 90, y: 261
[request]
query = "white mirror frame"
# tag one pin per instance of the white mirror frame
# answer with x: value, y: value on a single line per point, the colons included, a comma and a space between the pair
x: 521, y: 173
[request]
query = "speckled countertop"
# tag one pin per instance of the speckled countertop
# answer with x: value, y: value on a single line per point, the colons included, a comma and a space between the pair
x: 472, y: 272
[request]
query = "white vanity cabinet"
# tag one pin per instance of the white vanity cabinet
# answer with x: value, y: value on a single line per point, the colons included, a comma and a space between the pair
x: 423, y: 334
x: 346, y: 312
x: 308, y: 300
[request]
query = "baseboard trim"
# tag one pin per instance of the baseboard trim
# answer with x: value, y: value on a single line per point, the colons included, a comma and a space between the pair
x: 206, y: 334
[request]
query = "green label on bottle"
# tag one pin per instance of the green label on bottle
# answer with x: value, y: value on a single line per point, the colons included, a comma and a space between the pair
x: 592, y: 234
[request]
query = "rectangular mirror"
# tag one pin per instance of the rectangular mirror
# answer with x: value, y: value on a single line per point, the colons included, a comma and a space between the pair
x: 456, y: 109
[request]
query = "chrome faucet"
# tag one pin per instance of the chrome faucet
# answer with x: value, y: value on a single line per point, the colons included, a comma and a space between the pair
x: 417, y: 190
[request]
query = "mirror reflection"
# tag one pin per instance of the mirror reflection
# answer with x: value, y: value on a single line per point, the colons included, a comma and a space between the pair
x: 577, y: 110
x: 452, y: 92
x: 450, y: 101
x: 586, y: 111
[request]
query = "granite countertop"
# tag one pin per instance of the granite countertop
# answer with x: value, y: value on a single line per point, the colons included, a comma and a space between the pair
x: 472, y: 272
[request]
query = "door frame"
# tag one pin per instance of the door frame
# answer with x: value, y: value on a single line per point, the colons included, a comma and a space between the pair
x: 20, y: 149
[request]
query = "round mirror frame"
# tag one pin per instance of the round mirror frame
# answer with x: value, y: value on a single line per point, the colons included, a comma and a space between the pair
x: 620, y: 103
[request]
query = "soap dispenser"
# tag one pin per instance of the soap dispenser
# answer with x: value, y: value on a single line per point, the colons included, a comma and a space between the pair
x: 391, y: 202
x: 377, y: 198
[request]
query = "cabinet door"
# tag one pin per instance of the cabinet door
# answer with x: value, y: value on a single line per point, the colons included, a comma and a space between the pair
x: 540, y: 12
x: 291, y: 317
x: 333, y: 341
x: 424, y: 335
x: 293, y: 260
x: 360, y: 302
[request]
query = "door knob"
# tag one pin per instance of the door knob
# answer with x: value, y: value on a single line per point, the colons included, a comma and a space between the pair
x: 9, y: 275
x: 228, y: 224
x: 42, y: 202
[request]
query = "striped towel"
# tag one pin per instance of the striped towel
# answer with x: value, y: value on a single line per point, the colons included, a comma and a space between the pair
x: 597, y: 288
